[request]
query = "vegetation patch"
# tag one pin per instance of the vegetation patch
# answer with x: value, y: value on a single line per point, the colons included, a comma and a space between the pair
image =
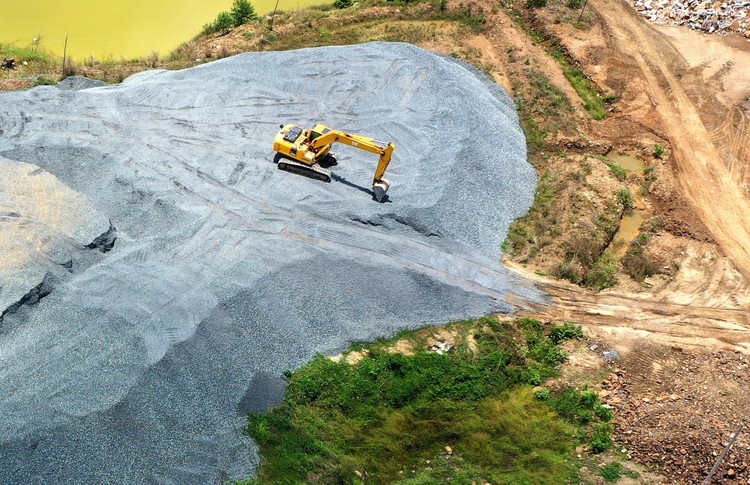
x: 636, y: 262
x: 466, y: 414
x: 537, y: 228
x: 242, y: 12
x: 592, y: 100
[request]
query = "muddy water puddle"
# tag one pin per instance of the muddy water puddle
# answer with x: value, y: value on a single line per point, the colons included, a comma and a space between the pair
x: 628, y: 231
x: 629, y: 162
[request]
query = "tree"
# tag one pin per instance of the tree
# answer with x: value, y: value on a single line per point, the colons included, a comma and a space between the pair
x: 243, y: 12
x: 223, y: 22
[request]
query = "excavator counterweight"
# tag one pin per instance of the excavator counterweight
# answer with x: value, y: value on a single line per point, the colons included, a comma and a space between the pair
x: 308, y: 152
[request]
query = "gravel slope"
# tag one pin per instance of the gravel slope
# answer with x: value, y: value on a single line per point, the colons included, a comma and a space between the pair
x: 138, y: 368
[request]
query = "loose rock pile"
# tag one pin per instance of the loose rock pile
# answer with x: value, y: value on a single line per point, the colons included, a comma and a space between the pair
x: 140, y: 364
x: 711, y: 16
x: 679, y: 427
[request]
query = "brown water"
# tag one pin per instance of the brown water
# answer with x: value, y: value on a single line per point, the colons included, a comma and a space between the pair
x: 628, y: 162
x: 115, y: 28
x: 628, y: 230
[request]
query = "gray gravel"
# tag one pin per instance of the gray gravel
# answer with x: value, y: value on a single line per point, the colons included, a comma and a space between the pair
x: 138, y: 367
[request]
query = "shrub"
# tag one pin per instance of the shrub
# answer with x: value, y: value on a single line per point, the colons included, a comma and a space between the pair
x: 625, y: 198
x: 659, y: 150
x: 612, y: 471
x: 343, y: 3
x: 604, y: 272
x: 243, y: 12
x: 566, y: 332
x: 536, y: 3
x: 602, y: 439
x: 223, y: 23
x: 542, y: 394
x: 617, y: 170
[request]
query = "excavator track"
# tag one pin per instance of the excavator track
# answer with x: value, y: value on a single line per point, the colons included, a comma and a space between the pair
x: 311, y: 171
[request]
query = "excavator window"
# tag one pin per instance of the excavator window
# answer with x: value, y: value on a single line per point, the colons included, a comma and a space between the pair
x: 292, y: 134
x: 315, y: 134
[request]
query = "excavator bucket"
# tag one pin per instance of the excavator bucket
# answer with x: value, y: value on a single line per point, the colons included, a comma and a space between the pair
x: 380, y: 188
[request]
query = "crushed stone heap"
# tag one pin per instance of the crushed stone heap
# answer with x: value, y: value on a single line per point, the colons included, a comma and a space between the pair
x: 710, y: 16
x: 140, y: 365
x: 45, y: 228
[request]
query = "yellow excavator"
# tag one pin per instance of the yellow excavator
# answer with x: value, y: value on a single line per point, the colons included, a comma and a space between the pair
x: 308, y: 152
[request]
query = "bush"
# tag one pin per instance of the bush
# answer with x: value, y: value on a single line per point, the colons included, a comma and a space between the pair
x: 575, y: 3
x: 566, y: 332
x: 243, y: 12
x: 343, y: 3
x: 625, y: 198
x: 602, y: 439
x: 536, y: 3
x: 659, y: 150
x: 617, y: 170
x: 612, y: 472
x: 223, y: 23
x: 542, y: 394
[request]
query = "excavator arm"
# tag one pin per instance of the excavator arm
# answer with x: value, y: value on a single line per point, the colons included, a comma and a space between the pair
x: 324, y: 140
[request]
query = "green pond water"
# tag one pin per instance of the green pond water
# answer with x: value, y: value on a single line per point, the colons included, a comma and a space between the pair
x: 115, y: 28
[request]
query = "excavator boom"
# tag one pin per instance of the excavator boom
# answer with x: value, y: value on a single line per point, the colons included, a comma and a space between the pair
x: 306, y: 151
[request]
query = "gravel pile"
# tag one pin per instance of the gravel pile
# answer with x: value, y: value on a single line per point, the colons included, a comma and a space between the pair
x: 139, y: 367
x: 45, y: 229
x: 711, y: 16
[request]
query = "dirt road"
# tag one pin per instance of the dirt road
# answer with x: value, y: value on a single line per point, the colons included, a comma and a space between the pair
x: 703, y: 177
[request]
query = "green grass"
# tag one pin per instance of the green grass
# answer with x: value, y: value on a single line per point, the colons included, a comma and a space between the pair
x: 390, y: 417
x: 592, y: 100
x: 620, y: 173
x: 25, y: 54
x: 537, y: 228
x: 612, y: 472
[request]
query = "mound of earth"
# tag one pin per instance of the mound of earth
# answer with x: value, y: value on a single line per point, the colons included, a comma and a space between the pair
x: 139, y: 366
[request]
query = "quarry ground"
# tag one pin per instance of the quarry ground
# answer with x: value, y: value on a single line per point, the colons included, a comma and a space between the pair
x: 681, y: 331
x: 675, y: 330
